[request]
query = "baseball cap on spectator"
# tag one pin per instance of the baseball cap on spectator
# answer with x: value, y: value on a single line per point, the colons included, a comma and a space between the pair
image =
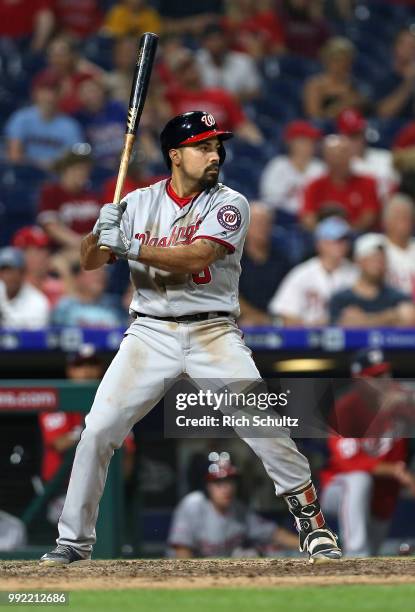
x: 351, y: 121
x: 30, y: 236
x: 368, y: 244
x: 332, y: 228
x: 45, y: 81
x: 301, y: 129
x: 79, y: 153
x: 10, y: 257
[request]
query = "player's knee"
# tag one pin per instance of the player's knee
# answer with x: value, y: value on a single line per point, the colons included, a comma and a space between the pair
x: 103, y: 436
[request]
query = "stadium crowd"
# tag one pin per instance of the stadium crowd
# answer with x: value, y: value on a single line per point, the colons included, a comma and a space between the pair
x: 320, y: 96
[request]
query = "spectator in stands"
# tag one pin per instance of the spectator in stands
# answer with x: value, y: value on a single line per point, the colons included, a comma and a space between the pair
x: 214, y: 523
x: 23, y: 21
x: 78, y: 18
x: 328, y: 93
x: 305, y: 28
x: 371, y: 302
x: 254, y: 27
x: 371, y: 161
x: 39, y: 134
x: 22, y: 306
x: 304, y: 295
x: 124, y: 58
x: 132, y: 17
x: 39, y: 271
x: 70, y: 69
x: 263, y: 267
x: 68, y: 208
x: 395, y: 91
x: 188, y: 93
x: 221, y: 67
x: 403, y: 154
x: 103, y: 122
x: 399, y: 225
x: 284, y: 177
x: 341, y: 190
x: 89, y: 306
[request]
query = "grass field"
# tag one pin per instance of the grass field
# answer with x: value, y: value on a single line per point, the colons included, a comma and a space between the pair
x: 357, y: 598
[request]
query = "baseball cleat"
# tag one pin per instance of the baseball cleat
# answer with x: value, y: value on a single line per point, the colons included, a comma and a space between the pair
x: 321, y: 545
x: 61, y: 555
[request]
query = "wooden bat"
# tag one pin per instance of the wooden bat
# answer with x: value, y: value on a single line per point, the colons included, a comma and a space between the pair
x: 139, y: 88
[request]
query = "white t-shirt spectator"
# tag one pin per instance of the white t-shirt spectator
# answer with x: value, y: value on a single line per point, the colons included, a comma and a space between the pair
x: 28, y: 310
x: 378, y: 164
x: 400, y: 272
x: 237, y: 74
x: 281, y: 185
x: 307, y: 289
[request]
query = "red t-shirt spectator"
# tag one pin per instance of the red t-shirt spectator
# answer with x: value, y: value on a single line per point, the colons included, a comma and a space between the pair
x: 81, y: 18
x: 78, y: 211
x: 356, y: 196
x: 222, y: 105
x: 353, y: 415
x: 17, y: 17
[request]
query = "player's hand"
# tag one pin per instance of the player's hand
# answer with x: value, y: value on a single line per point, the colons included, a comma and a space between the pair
x: 109, y: 216
x: 115, y: 239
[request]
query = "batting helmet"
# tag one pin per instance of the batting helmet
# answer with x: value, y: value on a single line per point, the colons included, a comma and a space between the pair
x: 370, y: 362
x: 189, y: 128
x: 220, y: 467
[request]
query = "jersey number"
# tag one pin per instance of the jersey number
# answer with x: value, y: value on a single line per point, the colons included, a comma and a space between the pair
x: 203, y: 278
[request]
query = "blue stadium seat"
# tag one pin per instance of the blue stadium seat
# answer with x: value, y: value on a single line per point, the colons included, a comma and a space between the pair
x: 243, y: 175
x: 99, y: 175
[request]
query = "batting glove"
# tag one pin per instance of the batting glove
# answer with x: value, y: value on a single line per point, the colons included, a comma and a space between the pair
x: 116, y: 240
x: 109, y: 216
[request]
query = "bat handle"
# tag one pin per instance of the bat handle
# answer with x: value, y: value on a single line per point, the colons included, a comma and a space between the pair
x: 122, y: 173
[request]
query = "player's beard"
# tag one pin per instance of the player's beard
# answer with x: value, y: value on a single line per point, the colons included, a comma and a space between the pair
x: 209, y: 179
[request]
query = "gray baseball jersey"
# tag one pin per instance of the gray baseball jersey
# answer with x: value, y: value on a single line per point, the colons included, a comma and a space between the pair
x: 208, y: 533
x: 157, y: 217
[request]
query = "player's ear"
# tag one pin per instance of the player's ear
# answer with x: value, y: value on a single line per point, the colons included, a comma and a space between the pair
x: 175, y: 157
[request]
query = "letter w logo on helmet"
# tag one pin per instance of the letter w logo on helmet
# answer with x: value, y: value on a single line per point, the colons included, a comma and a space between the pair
x: 208, y: 119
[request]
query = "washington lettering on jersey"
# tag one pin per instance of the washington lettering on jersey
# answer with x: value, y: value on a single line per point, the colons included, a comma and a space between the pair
x: 179, y: 235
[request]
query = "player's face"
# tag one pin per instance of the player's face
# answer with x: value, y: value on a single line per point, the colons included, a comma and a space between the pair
x: 222, y: 493
x: 200, y: 163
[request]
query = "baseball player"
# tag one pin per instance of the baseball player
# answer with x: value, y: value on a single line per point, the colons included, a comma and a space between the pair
x: 367, y: 458
x: 183, y: 239
x: 214, y: 523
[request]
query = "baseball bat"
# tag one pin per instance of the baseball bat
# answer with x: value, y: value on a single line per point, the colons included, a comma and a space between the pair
x: 146, y: 54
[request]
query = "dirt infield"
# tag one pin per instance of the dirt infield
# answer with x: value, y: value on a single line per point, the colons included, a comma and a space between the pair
x: 196, y: 573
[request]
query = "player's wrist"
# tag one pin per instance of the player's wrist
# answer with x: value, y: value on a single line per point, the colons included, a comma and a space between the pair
x: 134, y: 250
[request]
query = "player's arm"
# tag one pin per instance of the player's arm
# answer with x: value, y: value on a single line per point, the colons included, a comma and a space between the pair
x: 91, y: 255
x: 187, y: 259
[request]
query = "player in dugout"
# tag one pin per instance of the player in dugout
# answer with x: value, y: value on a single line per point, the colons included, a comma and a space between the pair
x: 214, y: 523
x: 61, y: 431
x: 368, y: 454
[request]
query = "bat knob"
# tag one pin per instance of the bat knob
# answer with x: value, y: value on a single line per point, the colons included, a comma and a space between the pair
x: 104, y: 248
